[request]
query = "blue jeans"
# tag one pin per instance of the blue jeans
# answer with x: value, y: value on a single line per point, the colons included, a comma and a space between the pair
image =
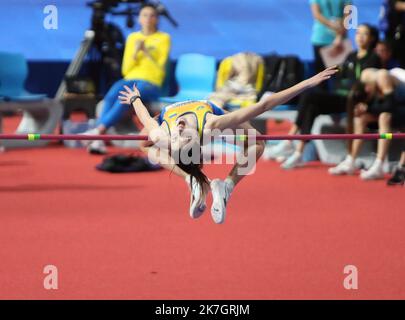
x: 113, y: 110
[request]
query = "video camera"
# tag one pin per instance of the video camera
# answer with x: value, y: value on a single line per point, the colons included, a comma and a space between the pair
x: 102, y: 7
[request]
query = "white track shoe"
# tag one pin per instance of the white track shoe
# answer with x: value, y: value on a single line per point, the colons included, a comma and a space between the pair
x: 293, y: 161
x: 282, y: 149
x: 347, y: 166
x: 95, y: 146
x: 91, y: 132
x: 221, y: 191
x: 374, y: 173
x: 197, y: 200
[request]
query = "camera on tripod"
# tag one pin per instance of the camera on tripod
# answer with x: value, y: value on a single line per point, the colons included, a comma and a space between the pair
x: 103, y: 45
x: 101, y: 7
x: 107, y: 42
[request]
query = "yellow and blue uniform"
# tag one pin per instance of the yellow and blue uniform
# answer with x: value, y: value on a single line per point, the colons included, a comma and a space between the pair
x: 199, y: 108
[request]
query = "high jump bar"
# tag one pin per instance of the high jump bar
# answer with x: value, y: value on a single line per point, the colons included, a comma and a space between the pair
x: 367, y: 136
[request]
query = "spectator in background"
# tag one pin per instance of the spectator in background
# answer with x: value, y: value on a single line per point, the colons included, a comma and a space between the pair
x: 384, y: 51
x: 239, y: 79
x: 328, y: 27
x: 315, y: 103
x: 399, y: 36
x: 392, y: 24
x: 144, y: 63
x: 379, y: 97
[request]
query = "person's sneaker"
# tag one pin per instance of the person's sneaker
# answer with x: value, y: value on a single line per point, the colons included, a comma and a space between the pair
x: 283, y: 149
x: 94, y: 146
x: 347, y: 166
x: 97, y: 147
x: 293, y: 161
x: 197, y: 199
x: 398, y: 177
x: 221, y: 191
x: 281, y: 159
x: 91, y: 132
x: 375, y: 172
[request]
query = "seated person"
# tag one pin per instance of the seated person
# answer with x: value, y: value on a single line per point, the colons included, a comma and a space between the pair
x: 144, y: 63
x: 384, y: 51
x: 377, y: 98
x: 392, y: 23
x: 315, y: 103
x: 240, y: 78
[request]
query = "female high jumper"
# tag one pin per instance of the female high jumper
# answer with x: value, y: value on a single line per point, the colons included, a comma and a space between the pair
x: 182, y: 127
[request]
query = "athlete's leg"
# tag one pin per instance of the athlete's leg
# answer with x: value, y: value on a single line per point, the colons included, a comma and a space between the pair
x: 251, y: 151
x: 221, y: 190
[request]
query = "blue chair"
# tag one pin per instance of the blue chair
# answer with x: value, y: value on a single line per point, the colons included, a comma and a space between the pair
x: 40, y: 114
x: 195, y: 76
x: 13, y: 73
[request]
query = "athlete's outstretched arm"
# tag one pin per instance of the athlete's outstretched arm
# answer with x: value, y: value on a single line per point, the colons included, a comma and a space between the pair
x: 156, y: 134
x: 234, y: 119
x: 140, y: 109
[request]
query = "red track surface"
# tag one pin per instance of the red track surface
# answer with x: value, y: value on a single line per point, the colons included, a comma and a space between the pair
x: 288, y: 235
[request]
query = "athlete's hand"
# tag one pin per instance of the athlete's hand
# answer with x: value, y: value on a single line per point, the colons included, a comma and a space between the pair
x: 322, y: 76
x: 125, y: 96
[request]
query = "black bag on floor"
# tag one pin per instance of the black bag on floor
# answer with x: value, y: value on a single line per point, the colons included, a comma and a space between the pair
x: 122, y: 163
x: 281, y: 72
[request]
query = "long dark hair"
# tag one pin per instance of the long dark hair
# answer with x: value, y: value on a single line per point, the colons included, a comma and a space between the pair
x: 194, y: 169
x: 374, y: 34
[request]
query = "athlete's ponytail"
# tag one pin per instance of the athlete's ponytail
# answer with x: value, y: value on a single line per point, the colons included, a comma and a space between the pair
x: 194, y: 170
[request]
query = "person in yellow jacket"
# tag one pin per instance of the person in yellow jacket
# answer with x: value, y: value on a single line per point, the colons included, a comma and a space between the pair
x: 144, y: 63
